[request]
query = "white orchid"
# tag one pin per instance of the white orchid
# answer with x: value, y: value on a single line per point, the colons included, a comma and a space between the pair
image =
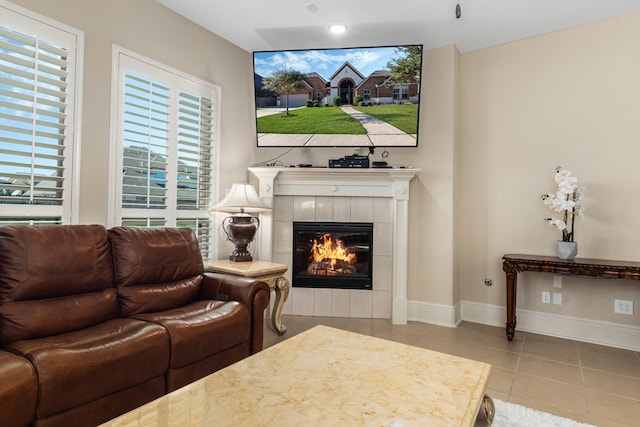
x: 557, y: 222
x: 558, y: 202
x: 561, y: 174
x: 568, y: 199
x: 567, y: 184
x: 578, y: 210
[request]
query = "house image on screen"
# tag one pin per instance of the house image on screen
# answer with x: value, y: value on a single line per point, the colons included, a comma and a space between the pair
x: 347, y: 83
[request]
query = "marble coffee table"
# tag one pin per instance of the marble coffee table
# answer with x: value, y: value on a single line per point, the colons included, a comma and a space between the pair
x: 327, y: 377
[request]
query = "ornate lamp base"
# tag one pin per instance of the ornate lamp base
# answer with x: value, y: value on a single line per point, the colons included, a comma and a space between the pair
x: 240, y: 229
x: 240, y: 254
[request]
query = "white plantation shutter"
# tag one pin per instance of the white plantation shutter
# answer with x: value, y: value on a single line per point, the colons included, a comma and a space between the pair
x: 37, y: 89
x: 145, y: 142
x: 204, y: 232
x: 166, y: 143
x: 195, y: 135
x: 144, y: 222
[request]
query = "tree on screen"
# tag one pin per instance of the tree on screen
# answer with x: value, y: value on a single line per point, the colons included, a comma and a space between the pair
x: 284, y: 81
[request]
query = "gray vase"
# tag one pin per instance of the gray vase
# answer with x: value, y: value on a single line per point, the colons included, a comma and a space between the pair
x: 567, y: 250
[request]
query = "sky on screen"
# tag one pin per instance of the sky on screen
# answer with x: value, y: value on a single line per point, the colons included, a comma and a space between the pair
x: 323, y: 61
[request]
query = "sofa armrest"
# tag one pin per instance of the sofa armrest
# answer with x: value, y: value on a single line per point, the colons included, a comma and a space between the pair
x: 253, y: 293
x: 223, y: 286
x: 18, y: 390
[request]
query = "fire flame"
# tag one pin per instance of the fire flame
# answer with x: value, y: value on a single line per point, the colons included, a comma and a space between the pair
x: 326, y: 249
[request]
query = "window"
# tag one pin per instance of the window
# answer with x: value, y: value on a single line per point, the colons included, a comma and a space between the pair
x: 40, y: 80
x: 164, y: 150
x: 400, y: 91
x: 367, y: 95
x: 405, y: 91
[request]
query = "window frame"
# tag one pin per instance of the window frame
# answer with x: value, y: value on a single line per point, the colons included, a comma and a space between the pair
x: 124, y: 60
x: 25, y: 21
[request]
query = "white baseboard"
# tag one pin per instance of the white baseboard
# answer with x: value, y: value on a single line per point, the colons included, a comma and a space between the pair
x: 487, y: 314
x: 437, y: 314
x: 580, y: 329
x: 575, y: 328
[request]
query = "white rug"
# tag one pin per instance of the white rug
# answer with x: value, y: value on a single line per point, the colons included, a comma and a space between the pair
x: 512, y: 415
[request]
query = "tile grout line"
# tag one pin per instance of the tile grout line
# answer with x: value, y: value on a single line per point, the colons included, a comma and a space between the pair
x: 584, y: 385
x: 524, y: 338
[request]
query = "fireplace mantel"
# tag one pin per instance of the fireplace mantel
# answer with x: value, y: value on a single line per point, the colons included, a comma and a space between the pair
x: 383, y: 182
x: 390, y: 183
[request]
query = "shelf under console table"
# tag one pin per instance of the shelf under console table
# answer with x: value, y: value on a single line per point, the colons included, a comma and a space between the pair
x: 579, y: 267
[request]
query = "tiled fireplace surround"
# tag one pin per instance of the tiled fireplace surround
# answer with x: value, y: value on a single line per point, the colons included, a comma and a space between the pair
x: 379, y: 196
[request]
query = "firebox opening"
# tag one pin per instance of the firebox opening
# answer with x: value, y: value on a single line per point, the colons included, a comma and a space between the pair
x: 332, y: 255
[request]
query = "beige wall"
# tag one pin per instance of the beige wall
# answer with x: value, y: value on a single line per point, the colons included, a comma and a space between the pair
x: 151, y: 30
x: 570, y: 98
x: 494, y: 125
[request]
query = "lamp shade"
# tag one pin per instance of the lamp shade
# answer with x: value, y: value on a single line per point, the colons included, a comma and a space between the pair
x: 241, y: 198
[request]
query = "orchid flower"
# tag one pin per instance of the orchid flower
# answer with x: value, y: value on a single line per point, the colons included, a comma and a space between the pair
x: 567, y: 199
x: 558, y: 202
x: 568, y: 186
x: 557, y: 222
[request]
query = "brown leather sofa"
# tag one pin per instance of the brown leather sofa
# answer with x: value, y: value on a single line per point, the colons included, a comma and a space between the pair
x: 96, y: 322
x: 18, y: 390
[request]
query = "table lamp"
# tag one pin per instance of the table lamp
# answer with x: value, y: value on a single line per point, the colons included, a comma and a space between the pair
x: 240, y: 227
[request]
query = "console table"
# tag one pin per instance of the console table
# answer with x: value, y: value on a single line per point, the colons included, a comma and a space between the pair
x: 269, y: 272
x: 598, y: 268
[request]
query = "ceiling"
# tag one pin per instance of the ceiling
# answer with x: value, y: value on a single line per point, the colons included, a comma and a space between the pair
x: 257, y: 25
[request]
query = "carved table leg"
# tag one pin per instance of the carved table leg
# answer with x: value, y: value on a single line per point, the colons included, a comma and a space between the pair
x: 511, y: 303
x: 282, y: 293
x: 489, y: 408
x: 486, y: 412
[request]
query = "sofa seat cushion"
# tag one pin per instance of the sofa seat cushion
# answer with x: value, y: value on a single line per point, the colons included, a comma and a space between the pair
x: 80, y: 366
x: 202, y: 329
x: 26, y: 320
x: 18, y: 390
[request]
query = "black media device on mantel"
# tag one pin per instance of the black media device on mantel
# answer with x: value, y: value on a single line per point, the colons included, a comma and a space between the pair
x: 354, y: 161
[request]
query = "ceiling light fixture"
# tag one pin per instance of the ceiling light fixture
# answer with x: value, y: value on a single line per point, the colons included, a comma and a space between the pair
x: 338, y: 28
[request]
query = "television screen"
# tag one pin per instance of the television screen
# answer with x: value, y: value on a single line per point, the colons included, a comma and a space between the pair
x: 352, y: 97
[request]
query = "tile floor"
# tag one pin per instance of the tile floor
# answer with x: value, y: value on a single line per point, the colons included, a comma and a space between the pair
x: 586, y: 382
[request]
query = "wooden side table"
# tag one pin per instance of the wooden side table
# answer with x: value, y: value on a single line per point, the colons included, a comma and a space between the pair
x: 269, y: 272
x: 579, y: 267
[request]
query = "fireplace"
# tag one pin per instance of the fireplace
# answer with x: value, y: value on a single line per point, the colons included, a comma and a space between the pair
x: 334, y: 255
x: 379, y: 196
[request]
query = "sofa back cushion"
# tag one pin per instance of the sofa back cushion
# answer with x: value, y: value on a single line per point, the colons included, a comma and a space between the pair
x: 155, y: 268
x: 54, y: 279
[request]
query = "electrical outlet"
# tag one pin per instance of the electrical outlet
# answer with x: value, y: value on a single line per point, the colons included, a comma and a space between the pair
x: 623, y: 307
x: 557, y: 281
x: 546, y: 297
x: 557, y: 298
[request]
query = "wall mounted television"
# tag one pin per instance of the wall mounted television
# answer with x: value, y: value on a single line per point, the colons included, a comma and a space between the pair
x: 350, y: 97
